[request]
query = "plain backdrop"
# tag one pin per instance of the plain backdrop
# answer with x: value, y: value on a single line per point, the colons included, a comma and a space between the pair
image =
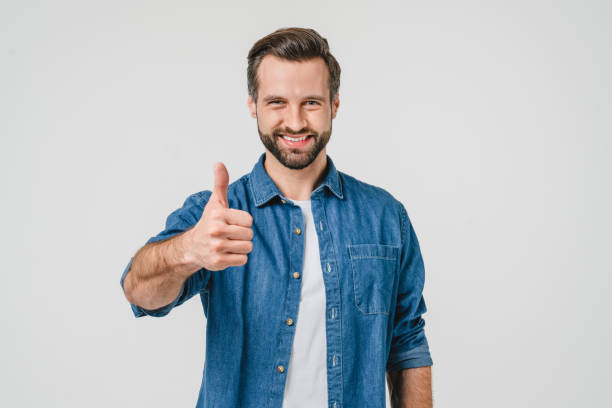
x: 490, y: 121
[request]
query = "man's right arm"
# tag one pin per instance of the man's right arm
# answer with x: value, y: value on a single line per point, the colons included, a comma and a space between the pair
x: 158, y: 272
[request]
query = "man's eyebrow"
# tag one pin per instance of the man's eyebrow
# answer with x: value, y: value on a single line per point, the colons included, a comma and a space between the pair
x: 316, y: 98
x: 311, y: 97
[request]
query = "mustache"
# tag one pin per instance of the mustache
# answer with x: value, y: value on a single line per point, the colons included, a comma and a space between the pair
x: 277, y: 132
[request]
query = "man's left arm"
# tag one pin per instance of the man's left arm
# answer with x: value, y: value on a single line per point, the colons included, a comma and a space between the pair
x: 409, y: 362
x: 410, y: 388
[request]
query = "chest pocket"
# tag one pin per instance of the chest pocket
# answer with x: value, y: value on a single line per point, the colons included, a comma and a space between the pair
x: 374, y: 268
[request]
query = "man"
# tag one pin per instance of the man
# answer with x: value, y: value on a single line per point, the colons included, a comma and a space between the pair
x: 311, y: 280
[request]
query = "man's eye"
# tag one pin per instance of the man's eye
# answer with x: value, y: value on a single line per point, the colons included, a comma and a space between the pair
x: 315, y: 102
x: 276, y: 101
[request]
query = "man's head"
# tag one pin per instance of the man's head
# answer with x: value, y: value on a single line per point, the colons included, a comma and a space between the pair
x: 293, y: 83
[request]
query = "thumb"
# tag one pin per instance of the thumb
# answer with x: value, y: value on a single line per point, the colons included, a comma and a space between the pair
x: 221, y: 182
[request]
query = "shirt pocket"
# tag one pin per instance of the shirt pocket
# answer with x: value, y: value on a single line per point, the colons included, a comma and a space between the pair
x: 374, y: 268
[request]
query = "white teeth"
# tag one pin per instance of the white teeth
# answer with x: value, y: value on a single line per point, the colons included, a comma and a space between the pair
x: 292, y: 139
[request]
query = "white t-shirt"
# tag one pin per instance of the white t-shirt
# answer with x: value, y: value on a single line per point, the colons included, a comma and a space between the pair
x: 306, y: 384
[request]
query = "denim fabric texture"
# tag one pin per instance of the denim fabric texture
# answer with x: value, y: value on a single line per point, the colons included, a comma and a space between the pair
x: 373, y: 274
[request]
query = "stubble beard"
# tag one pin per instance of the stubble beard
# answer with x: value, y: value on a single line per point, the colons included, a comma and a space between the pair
x: 297, y: 158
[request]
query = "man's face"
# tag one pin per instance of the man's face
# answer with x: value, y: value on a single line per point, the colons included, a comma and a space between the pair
x: 293, y: 103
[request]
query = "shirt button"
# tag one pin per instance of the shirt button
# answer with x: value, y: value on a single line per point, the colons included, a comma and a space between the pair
x: 296, y: 275
x: 297, y: 231
x: 283, y: 201
x: 280, y: 369
x: 289, y: 321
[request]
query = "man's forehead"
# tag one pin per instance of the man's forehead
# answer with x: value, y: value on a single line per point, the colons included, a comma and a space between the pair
x: 277, y: 75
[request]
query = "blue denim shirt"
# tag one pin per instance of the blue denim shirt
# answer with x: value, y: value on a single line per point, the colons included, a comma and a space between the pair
x: 373, y: 274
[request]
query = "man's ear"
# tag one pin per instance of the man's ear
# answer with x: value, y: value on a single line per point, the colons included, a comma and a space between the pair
x: 252, y: 106
x: 335, y: 105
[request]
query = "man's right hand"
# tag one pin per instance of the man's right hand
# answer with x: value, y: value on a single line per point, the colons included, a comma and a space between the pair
x: 223, y: 236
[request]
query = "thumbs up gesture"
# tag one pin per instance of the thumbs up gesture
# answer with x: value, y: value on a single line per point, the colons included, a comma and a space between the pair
x: 223, y: 236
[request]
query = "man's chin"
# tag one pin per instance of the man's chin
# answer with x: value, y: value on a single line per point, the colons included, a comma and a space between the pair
x: 292, y: 157
x: 295, y: 163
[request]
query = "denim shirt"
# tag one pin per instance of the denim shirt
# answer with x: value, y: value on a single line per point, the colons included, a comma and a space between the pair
x: 373, y: 274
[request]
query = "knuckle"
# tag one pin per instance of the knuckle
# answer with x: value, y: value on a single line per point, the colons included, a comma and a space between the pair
x: 216, y: 246
x: 216, y: 260
x: 215, y: 230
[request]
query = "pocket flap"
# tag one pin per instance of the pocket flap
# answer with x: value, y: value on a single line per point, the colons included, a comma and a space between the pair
x: 380, y: 251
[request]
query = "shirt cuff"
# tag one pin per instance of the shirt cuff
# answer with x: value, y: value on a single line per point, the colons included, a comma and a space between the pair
x: 416, y: 357
x: 140, y: 311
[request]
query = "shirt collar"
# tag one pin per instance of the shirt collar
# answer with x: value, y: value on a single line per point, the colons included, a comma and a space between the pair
x: 264, y: 189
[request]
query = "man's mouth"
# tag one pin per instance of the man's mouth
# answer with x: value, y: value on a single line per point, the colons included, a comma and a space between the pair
x: 296, y: 141
x: 294, y: 138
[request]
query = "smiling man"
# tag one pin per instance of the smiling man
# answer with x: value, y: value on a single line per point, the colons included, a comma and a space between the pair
x: 311, y: 280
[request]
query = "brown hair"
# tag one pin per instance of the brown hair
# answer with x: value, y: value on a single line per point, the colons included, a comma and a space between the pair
x: 294, y: 44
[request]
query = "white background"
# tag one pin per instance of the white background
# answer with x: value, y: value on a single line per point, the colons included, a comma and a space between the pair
x: 490, y: 121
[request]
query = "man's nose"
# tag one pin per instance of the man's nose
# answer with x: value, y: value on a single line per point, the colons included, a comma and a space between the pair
x: 295, y: 119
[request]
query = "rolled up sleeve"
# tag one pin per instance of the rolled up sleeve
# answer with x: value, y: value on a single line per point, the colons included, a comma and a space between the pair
x: 409, y: 346
x: 178, y: 221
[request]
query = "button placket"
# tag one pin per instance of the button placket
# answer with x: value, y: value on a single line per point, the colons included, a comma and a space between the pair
x: 295, y: 223
x: 331, y: 277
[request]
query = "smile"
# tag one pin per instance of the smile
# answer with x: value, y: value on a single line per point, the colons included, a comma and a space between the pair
x: 294, y: 139
x: 296, y: 142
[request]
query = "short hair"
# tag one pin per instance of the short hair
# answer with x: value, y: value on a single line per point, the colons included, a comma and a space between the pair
x: 294, y: 44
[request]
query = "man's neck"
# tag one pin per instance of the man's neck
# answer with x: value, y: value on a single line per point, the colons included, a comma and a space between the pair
x: 296, y: 184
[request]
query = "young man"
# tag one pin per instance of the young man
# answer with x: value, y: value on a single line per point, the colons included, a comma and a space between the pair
x: 311, y: 280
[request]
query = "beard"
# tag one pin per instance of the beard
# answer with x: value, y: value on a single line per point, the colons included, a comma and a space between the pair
x: 295, y: 158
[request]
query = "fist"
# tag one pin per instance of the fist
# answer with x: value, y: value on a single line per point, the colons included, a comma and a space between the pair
x: 223, y: 236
